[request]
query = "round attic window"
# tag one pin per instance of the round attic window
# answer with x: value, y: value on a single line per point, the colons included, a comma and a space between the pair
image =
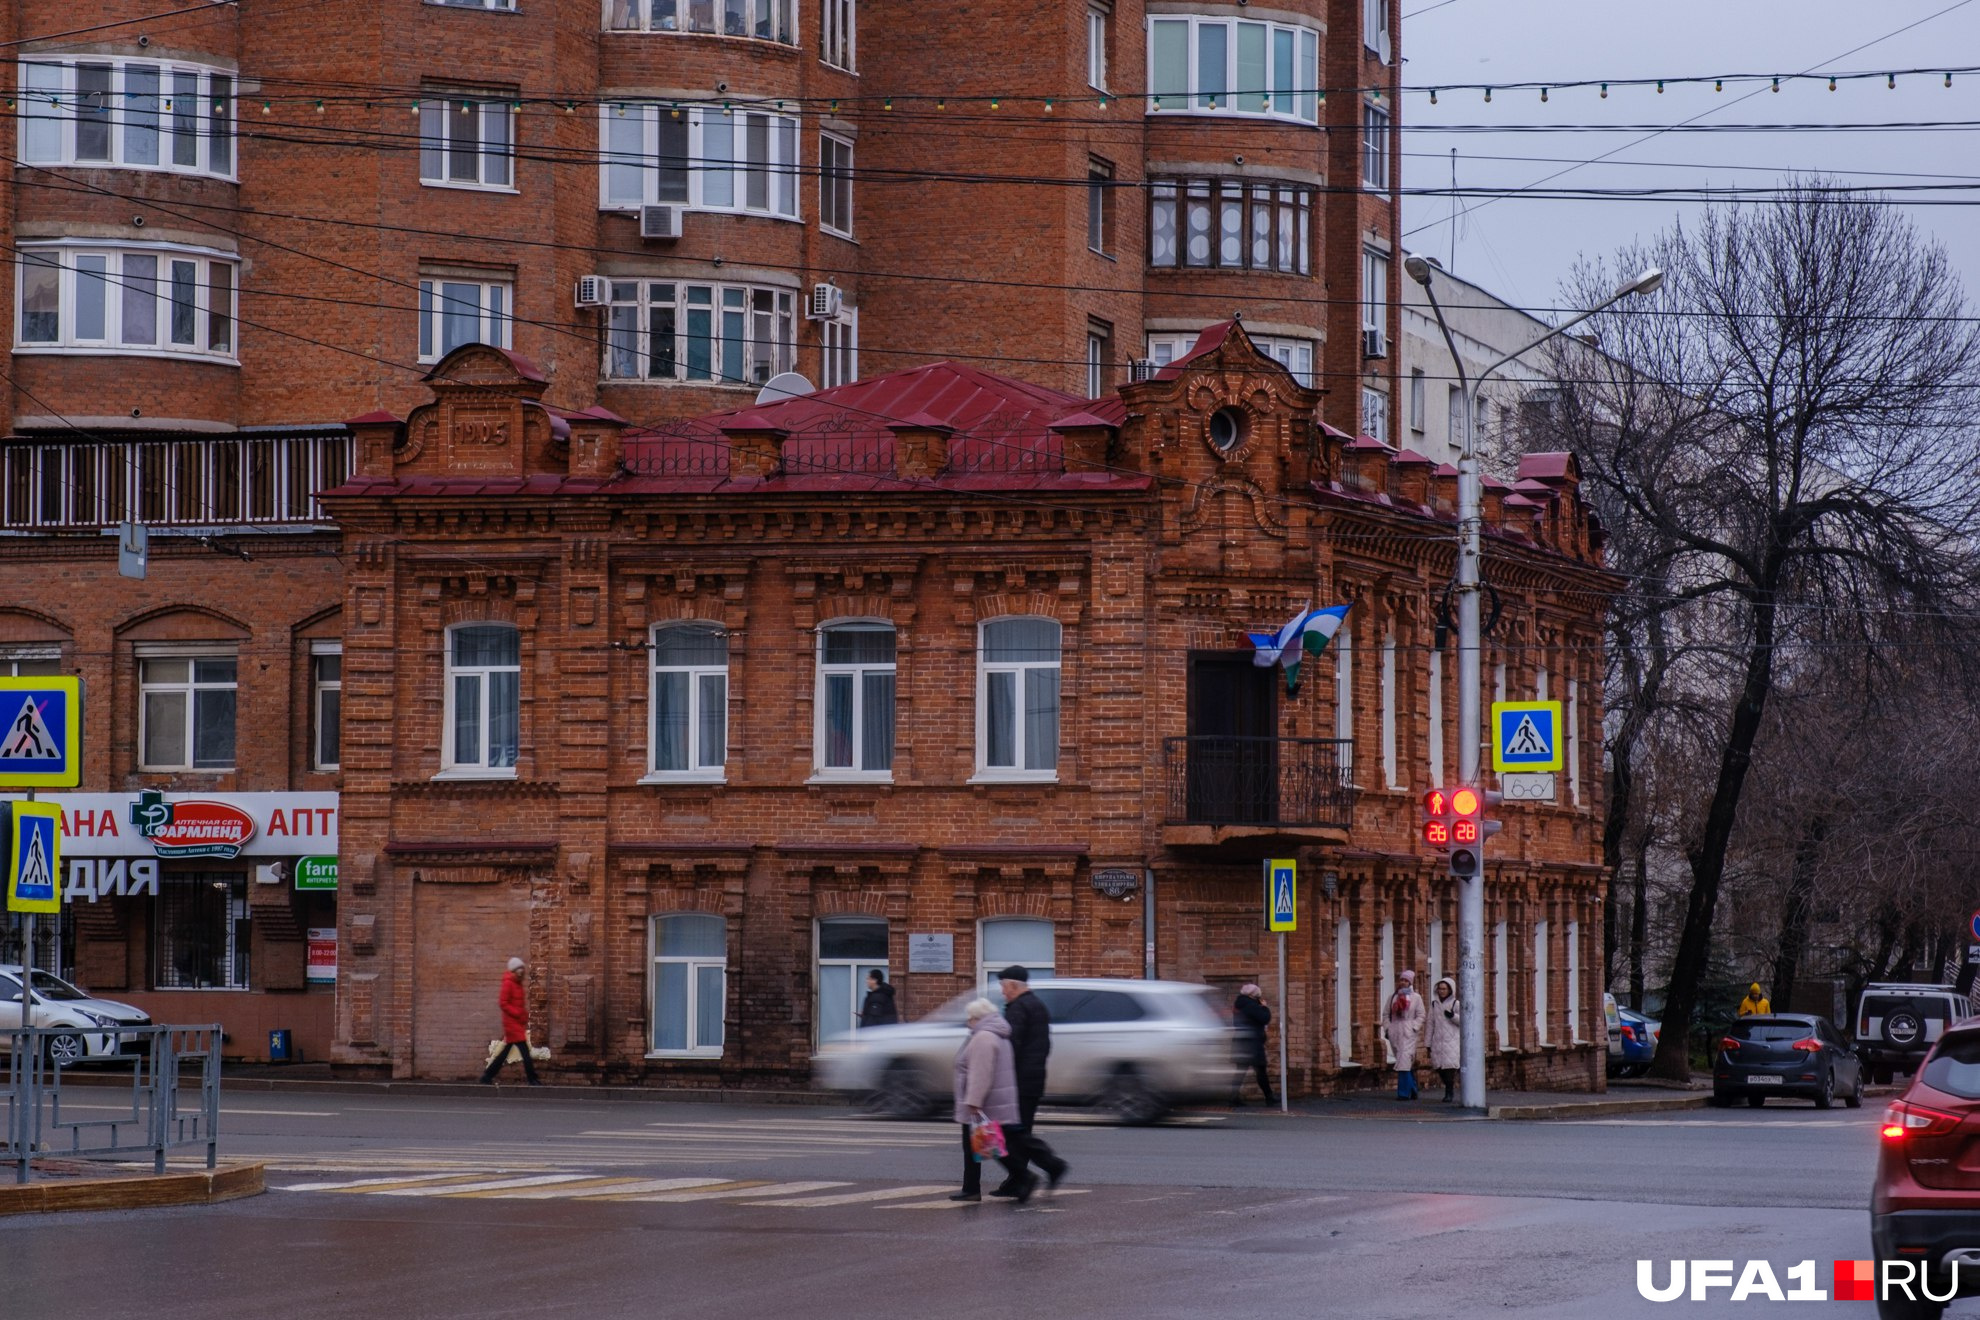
x: 1227, y: 429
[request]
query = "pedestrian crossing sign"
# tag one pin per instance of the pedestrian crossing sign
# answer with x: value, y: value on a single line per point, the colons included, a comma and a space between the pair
x: 1281, y: 894
x: 34, y: 857
x: 1526, y: 735
x: 40, y: 732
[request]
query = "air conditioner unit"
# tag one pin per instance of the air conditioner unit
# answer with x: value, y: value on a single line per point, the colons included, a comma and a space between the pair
x: 1141, y: 369
x: 1374, y: 344
x: 827, y: 301
x: 663, y: 222
x: 593, y: 291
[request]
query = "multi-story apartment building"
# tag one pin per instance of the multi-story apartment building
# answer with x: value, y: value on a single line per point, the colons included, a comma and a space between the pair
x: 233, y: 230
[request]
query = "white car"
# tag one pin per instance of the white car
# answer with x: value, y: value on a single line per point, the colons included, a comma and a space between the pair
x: 59, y: 1004
x: 1133, y: 1047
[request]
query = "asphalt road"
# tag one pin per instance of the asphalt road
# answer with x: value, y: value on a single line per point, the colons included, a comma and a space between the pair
x: 520, y: 1204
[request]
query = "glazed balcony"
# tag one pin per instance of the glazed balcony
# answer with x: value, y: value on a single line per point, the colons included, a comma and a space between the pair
x: 1246, y: 793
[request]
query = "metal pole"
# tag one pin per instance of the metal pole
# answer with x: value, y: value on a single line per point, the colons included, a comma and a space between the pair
x: 1284, y: 1101
x: 1148, y: 922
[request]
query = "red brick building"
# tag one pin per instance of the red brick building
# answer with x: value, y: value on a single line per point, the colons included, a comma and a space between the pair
x: 703, y: 721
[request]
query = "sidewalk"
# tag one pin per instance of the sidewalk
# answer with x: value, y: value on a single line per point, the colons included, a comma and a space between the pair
x: 62, y: 1184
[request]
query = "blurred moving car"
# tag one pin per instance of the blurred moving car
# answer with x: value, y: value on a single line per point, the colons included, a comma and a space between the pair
x: 1925, y: 1203
x: 59, y: 1004
x: 1135, y: 1048
x: 1637, y: 1047
x: 1898, y: 1023
x: 1785, y: 1054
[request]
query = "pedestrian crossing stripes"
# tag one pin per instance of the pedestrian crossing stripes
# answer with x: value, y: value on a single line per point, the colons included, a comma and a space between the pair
x: 573, y: 1186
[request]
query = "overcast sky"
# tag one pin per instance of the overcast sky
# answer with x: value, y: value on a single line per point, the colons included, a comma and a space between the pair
x: 1521, y: 247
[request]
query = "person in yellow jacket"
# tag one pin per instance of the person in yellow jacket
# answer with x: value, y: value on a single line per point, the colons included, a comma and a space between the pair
x: 1755, y: 1003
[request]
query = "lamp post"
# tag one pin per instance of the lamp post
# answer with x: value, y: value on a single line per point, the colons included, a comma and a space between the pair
x: 1470, y: 677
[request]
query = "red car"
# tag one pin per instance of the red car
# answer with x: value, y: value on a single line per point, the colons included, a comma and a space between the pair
x: 1925, y: 1207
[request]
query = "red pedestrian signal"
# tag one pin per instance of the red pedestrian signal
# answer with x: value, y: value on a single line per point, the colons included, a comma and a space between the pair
x: 1437, y: 818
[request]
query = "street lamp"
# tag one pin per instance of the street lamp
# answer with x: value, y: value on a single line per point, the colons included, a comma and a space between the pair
x: 1470, y: 732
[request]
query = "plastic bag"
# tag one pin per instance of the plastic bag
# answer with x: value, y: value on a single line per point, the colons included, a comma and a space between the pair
x: 986, y: 1140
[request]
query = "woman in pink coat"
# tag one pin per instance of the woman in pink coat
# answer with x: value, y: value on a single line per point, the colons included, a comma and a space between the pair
x: 1402, y: 1027
x: 986, y: 1086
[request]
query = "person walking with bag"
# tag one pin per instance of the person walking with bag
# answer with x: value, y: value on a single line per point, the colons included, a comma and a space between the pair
x: 515, y: 1027
x: 1250, y: 1017
x: 986, y: 1090
x: 1404, y: 1032
x: 1031, y: 1044
x: 1446, y: 1033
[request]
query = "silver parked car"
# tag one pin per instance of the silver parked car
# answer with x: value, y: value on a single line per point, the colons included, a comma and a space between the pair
x: 1135, y: 1048
x: 80, y: 1016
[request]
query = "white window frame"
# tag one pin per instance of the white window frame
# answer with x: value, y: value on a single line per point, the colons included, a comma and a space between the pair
x: 839, y: 349
x: 1573, y: 735
x: 1391, y: 769
x: 1343, y: 648
x: 713, y: 174
x: 318, y: 688
x: 494, y: 313
x: 504, y: 6
x: 1344, y: 992
x: 1099, y: 20
x: 1100, y: 226
x: 858, y: 673
x: 1374, y: 290
x: 1096, y: 361
x: 1385, y: 967
x: 667, y: 17
x: 835, y: 183
x: 1375, y: 413
x: 766, y: 333
x: 1236, y: 219
x: 51, y: 102
x: 494, y: 121
x: 1295, y: 355
x: 1417, y: 402
x: 1021, y: 671
x: 41, y: 661
x: 859, y: 967
x: 988, y: 967
x: 1574, y: 982
x: 190, y: 687
x: 1541, y: 957
x: 120, y: 292
x: 1374, y: 147
x: 695, y: 771
x: 1501, y: 988
x: 695, y: 963
x: 451, y: 767
x: 1290, y: 94
x: 838, y: 34
x: 1374, y: 22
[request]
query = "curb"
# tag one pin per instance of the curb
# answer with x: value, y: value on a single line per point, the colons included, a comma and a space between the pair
x: 204, y: 1187
x: 1597, y: 1108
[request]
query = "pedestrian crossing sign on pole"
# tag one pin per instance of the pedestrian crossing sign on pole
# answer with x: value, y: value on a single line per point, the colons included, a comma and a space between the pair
x: 40, y: 732
x: 1281, y: 894
x: 1526, y: 735
x: 34, y: 857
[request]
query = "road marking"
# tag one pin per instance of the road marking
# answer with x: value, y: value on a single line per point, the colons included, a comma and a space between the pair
x: 729, y: 1134
x: 738, y: 1189
x: 455, y: 1189
x: 283, y: 1113
x: 1719, y: 1122
x: 373, y: 1185
x: 855, y: 1198
x: 580, y: 1187
x: 946, y: 1204
x: 340, y: 1186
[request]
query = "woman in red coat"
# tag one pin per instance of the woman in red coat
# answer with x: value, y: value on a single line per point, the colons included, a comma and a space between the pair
x: 515, y: 1027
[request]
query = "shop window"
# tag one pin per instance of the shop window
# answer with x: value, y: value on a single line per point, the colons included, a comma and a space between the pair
x: 484, y: 681
x: 1017, y: 699
x: 690, y: 701
x: 855, y: 734
x: 201, y: 930
x: 326, y: 706
x: 690, y: 984
x: 186, y: 710
x: 848, y: 948
x: 1027, y: 942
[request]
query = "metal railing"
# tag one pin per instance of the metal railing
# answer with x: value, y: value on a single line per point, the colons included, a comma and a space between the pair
x: 197, y: 481
x: 1218, y: 780
x: 160, y: 1114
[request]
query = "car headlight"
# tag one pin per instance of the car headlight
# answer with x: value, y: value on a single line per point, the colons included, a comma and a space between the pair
x: 96, y: 1018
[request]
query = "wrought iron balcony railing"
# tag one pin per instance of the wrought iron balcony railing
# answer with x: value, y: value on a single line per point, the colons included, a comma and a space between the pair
x: 181, y: 481
x: 1288, y: 782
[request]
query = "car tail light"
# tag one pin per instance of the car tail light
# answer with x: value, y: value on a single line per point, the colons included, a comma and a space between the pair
x: 1808, y: 1044
x: 1903, y: 1120
x: 1629, y: 1032
x: 1730, y: 1044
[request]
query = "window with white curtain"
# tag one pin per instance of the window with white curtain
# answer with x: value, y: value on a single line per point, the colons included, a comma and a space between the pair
x: 1223, y: 66
x: 690, y: 985
x: 762, y: 20
x: 484, y: 698
x: 87, y: 296
x: 467, y: 141
x: 186, y: 711
x: 838, y: 26
x: 702, y: 157
x: 855, y: 704
x: 1374, y: 147
x: 1295, y: 355
x: 1017, y: 699
x: 835, y: 185
x: 690, y: 701
x: 456, y: 312
x: 127, y: 113
x: 1375, y: 414
x: 1026, y: 942
x: 848, y: 948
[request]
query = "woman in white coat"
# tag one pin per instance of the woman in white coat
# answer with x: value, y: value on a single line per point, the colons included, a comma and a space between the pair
x: 1446, y: 1033
x: 1403, y: 1028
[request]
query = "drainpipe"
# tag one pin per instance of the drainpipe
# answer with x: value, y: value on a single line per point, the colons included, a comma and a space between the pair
x: 1148, y: 922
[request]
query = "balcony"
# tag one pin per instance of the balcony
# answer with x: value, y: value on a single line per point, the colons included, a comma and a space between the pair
x: 185, y: 482
x: 1256, y: 792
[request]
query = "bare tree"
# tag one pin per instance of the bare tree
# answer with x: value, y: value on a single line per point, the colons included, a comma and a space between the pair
x: 1787, y: 432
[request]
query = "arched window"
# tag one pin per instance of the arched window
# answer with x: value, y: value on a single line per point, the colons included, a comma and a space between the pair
x: 484, y: 697
x: 1017, y: 699
x: 855, y: 733
x: 690, y: 984
x: 690, y: 700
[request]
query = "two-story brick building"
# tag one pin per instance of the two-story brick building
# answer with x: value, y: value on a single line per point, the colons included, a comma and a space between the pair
x: 704, y: 721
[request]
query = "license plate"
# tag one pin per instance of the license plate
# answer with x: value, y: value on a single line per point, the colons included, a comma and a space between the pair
x: 1762, y: 1079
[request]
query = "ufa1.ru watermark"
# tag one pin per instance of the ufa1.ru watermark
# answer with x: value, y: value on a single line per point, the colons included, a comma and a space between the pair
x: 1755, y: 1281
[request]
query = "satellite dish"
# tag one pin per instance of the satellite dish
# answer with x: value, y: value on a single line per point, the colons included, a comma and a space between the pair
x: 1383, y: 51
x: 784, y: 385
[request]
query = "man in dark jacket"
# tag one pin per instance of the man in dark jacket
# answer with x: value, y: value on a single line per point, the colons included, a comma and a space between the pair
x: 1250, y: 1016
x: 1031, y: 1045
x: 878, y: 1008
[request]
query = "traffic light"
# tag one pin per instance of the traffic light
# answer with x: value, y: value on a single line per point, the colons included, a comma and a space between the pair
x: 1467, y: 824
x: 1437, y: 819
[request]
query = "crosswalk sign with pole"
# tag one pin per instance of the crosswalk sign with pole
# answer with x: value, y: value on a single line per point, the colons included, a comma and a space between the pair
x: 40, y: 732
x: 1281, y: 894
x: 34, y: 857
